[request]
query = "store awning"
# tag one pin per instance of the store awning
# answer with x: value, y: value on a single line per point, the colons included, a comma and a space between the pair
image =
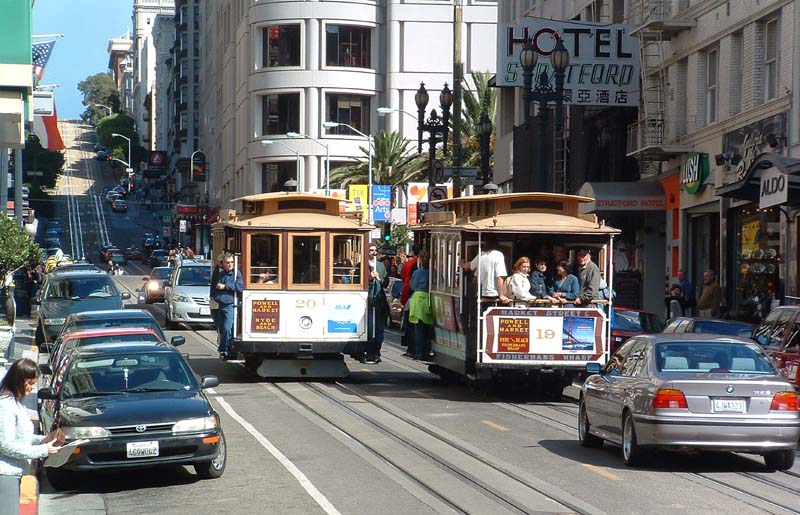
x: 622, y: 197
x: 12, y: 119
x: 749, y: 187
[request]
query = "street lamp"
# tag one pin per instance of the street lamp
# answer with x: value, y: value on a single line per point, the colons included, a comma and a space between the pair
x: 331, y: 125
x: 103, y: 105
x: 129, y: 170
x: 327, y: 157
x: 296, y: 153
x: 383, y: 111
x: 434, y: 125
x: 485, y: 133
x: 544, y: 92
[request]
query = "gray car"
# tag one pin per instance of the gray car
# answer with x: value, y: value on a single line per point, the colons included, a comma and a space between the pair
x: 690, y: 391
x: 70, y: 292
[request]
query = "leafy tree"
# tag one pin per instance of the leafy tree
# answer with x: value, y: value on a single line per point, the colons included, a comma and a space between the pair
x: 99, y: 88
x: 393, y: 163
x: 16, y: 247
x: 118, y: 147
x: 37, y: 158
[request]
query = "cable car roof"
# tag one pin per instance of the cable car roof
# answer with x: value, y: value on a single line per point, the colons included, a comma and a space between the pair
x: 298, y: 221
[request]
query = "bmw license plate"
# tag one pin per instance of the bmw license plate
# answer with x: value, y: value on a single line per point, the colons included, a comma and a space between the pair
x: 205, y: 311
x: 729, y: 406
x: 142, y: 449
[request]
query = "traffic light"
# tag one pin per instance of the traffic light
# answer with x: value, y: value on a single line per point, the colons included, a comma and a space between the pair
x: 198, y: 167
x: 387, y: 234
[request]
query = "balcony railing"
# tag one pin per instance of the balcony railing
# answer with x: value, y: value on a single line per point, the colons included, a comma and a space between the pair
x: 661, y: 15
x: 648, y: 137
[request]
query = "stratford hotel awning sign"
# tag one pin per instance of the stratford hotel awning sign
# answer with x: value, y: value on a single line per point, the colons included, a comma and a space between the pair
x: 622, y: 196
x: 604, y: 59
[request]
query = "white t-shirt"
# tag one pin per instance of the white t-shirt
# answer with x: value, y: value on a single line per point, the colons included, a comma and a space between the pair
x: 492, y: 266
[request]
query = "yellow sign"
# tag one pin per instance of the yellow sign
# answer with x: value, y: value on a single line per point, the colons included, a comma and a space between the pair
x: 358, y: 197
x: 750, y: 236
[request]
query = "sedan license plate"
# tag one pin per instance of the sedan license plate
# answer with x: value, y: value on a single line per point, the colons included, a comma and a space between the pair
x: 142, y: 449
x: 205, y: 311
x: 729, y: 406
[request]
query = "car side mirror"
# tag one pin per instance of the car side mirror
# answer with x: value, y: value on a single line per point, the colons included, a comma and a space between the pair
x: 593, y: 368
x: 177, y: 340
x: 45, y: 369
x: 47, y: 394
x: 209, y: 382
x: 125, y: 295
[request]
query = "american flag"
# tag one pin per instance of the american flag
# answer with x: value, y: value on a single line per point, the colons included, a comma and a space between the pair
x: 41, y: 54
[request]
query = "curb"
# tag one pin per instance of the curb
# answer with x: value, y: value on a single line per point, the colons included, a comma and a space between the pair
x: 29, y: 495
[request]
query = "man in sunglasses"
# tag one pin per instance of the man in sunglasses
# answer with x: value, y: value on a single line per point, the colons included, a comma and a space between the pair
x: 377, y: 306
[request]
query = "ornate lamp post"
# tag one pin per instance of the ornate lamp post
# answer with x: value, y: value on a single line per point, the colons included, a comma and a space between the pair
x: 485, y: 133
x: 434, y: 125
x: 544, y: 92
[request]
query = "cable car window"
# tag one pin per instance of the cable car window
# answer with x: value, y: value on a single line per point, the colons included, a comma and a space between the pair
x: 265, y: 259
x: 306, y: 254
x: 348, y: 250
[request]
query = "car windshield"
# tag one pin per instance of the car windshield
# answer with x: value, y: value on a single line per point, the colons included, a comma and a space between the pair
x: 161, y: 273
x: 146, y: 322
x: 194, y: 276
x: 721, y: 357
x: 81, y: 288
x: 715, y: 327
x: 118, y: 338
x: 89, y: 376
x: 630, y: 320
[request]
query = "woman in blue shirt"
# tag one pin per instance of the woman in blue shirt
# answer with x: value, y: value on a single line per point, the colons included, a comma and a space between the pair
x: 566, y: 287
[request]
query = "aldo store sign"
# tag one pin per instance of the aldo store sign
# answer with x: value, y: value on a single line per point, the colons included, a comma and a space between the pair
x: 695, y: 173
x: 774, y: 188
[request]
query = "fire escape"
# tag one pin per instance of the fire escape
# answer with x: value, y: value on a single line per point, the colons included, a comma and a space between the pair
x: 652, y: 139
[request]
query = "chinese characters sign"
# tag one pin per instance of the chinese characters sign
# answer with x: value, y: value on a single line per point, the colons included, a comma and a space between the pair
x: 604, y: 65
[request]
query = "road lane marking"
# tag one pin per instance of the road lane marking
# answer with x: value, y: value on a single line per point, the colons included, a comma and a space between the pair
x: 307, y: 485
x: 422, y: 393
x: 495, y: 426
x: 602, y: 472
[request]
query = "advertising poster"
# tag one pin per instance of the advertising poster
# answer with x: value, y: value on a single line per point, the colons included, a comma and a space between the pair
x: 266, y: 316
x: 357, y: 197
x: 343, y: 317
x: 381, y: 203
x: 578, y: 335
x: 416, y: 192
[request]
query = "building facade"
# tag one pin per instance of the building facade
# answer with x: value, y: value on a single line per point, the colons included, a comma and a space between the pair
x: 144, y: 65
x: 271, y: 68
x: 120, y: 62
x: 163, y: 41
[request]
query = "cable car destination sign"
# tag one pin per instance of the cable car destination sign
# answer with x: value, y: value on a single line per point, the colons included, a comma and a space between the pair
x: 604, y: 64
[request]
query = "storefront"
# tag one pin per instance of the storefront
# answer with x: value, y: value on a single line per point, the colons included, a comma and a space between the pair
x: 638, y: 209
x: 762, y: 245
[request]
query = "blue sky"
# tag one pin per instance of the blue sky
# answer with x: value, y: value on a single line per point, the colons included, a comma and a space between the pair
x: 87, y: 26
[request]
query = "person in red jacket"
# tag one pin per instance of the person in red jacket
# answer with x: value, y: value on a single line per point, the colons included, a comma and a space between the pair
x: 408, y: 269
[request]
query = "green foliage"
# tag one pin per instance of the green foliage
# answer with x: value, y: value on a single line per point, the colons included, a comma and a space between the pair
x: 482, y: 100
x: 37, y: 158
x: 393, y: 163
x: 16, y: 247
x: 118, y: 147
x: 98, y: 89
x: 401, y: 236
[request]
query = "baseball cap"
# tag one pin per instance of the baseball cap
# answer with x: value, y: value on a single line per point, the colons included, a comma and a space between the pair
x: 584, y: 251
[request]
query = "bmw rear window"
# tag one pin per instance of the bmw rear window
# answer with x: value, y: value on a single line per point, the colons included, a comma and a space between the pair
x: 721, y: 357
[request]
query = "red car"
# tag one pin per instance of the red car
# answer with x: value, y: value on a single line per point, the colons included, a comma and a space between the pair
x: 69, y: 341
x: 134, y: 254
x: 628, y: 322
x: 779, y: 334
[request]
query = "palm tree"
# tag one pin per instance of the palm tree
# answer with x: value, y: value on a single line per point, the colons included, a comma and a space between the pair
x: 393, y: 163
x: 482, y: 100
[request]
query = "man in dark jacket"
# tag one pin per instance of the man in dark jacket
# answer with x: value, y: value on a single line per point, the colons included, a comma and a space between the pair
x: 217, y: 269
x: 378, y: 306
x: 538, y: 279
x: 228, y: 286
x: 589, y: 277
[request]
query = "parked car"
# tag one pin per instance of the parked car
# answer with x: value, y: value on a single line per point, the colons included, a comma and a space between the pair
x: 628, y: 322
x: 779, y: 333
x: 395, y: 306
x: 137, y: 405
x: 134, y: 254
x: 709, y: 326
x: 119, y: 206
x: 159, y: 257
x: 690, y: 391
x: 68, y: 341
x: 70, y: 292
x: 112, y: 318
x: 186, y: 295
x: 111, y: 196
x: 154, y: 284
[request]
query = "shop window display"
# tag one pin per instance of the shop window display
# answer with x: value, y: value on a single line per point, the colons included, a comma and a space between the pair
x: 757, y: 277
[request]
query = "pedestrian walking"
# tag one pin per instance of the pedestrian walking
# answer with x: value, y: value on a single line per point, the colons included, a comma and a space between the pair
x: 687, y: 291
x: 228, y: 286
x: 419, y: 311
x: 409, y: 266
x: 18, y: 443
x: 377, y: 306
x: 711, y: 298
x: 676, y: 303
x: 212, y: 302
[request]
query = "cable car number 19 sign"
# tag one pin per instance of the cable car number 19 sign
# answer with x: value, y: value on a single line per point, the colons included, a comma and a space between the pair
x: 603, y: 66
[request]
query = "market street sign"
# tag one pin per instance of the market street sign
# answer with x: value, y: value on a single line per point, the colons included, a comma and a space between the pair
x: 695, y: 172
x: 774, y: 188
x: 604, y: 62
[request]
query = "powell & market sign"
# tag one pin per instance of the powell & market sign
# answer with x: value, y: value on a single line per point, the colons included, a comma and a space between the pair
x: 604, y: 63
x: 695, y: 172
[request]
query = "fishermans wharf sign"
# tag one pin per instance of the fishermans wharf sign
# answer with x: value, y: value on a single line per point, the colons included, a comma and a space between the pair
x: 604, y: 62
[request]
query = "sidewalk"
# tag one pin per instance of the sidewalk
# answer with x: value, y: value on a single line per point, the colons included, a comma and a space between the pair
x: 14, y: 345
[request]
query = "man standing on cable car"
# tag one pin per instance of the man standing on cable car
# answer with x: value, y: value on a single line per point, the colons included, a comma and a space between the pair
x: 229, y: 285
x: 377, y: 306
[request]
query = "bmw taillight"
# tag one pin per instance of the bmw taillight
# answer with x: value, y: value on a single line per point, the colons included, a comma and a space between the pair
x: 784, y: 401
x: 666, y: 398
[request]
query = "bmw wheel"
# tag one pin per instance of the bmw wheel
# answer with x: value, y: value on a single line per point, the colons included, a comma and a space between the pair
x: 632, y: 453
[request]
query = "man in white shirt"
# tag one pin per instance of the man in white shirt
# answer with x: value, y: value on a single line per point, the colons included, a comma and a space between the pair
x: 491, y: 268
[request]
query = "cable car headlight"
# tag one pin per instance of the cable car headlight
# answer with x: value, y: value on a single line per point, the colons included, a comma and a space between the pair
x: 305, y: 322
